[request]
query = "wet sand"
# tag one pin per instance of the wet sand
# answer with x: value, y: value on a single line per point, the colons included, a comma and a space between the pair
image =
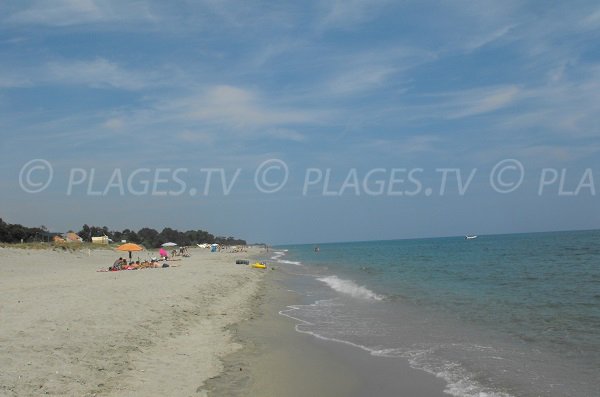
x: 279, y: 361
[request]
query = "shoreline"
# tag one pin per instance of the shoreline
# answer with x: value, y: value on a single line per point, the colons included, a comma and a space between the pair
x: 71, y: 330
x: 277, y: 360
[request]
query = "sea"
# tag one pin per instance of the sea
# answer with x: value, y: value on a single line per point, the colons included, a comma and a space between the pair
x: 496, y: 316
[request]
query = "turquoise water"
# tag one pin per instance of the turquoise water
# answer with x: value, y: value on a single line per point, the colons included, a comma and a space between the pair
x: 504, y: 315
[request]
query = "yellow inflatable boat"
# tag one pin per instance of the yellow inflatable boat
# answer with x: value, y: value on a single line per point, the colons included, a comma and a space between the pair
x: 258, y: 265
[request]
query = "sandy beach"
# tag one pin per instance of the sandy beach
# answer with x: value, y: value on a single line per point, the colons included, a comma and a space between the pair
x: 202, y: 327
x: 68, y: 330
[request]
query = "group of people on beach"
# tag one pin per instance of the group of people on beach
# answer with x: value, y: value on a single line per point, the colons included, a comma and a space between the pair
x: 164, y: 255
x: 122, y: 264
x: 183, y: 251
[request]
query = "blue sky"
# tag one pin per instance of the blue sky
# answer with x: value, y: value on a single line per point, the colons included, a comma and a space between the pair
x: 336, y: 85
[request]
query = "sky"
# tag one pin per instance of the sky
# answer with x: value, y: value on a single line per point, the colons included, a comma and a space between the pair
x: 301, y: 122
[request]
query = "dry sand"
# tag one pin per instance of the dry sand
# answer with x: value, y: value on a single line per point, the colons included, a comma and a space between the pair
x: 68, y: 330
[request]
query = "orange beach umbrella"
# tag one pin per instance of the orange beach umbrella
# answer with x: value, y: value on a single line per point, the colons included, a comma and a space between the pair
x: 130, y: 247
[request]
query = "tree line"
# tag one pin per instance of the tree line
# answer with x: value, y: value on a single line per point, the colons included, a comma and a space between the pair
x: 148, y: 237
x: 152, y: 238
x: 15, y: 233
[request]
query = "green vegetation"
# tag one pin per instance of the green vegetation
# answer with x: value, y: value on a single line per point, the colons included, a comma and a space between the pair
x: 150, y: 238
x: 10, y: 233
x: 57, y: 246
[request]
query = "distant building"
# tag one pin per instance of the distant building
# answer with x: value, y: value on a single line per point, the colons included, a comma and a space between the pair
x: 72, y: 238
x: 69, y: 237
x: 46, y: 236
x: 100, y: 240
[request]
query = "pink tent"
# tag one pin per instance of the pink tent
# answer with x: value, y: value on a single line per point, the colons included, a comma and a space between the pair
x: 163, y: 253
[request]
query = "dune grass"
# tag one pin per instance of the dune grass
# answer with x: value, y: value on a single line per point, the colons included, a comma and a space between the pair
x: 74, y: 246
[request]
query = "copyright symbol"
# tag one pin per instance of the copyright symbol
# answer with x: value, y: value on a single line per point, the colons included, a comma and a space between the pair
x: 279, y: 175
x: 507, y: 175
x: 36, y: 175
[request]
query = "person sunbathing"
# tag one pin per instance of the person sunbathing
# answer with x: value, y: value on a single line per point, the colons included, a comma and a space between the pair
x: 118, y: 264
x: 146, y: 265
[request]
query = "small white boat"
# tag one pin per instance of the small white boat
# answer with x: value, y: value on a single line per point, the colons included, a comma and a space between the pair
x: 470, y: 237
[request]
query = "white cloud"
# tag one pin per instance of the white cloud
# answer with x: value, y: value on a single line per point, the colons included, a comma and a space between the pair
x: 247, y: 15
x: 286, y: 134
x: 325, y: 72
x: 8, y: 80
x: 276, y: 48
x: 240, y: 108
x: 97, y: 73
x: 363, y: 71
x: 406, y: 146
x: 465, y: 103
x: 557, y: 73
x: 592, y: 20
x: 196, y: 137
x: 360, y: 79
x: 18, y: 40
x: 348, y: 13
x: 566, y: 108
x: 479, y: 101
x: 114, y: 123
x: 534, y: 153
x: 75, y: 12
x: 480, y: 41
x: 555, y: 153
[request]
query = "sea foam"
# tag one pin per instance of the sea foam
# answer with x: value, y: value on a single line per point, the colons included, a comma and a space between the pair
x: 289, y: 262
x: 279, y: 254
x: 349, y: 287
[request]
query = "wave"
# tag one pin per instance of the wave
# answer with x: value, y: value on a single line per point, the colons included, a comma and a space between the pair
x: 349, y: 287
x: 278, y: 254
x: 459, y: 382
x: 289, y: 262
